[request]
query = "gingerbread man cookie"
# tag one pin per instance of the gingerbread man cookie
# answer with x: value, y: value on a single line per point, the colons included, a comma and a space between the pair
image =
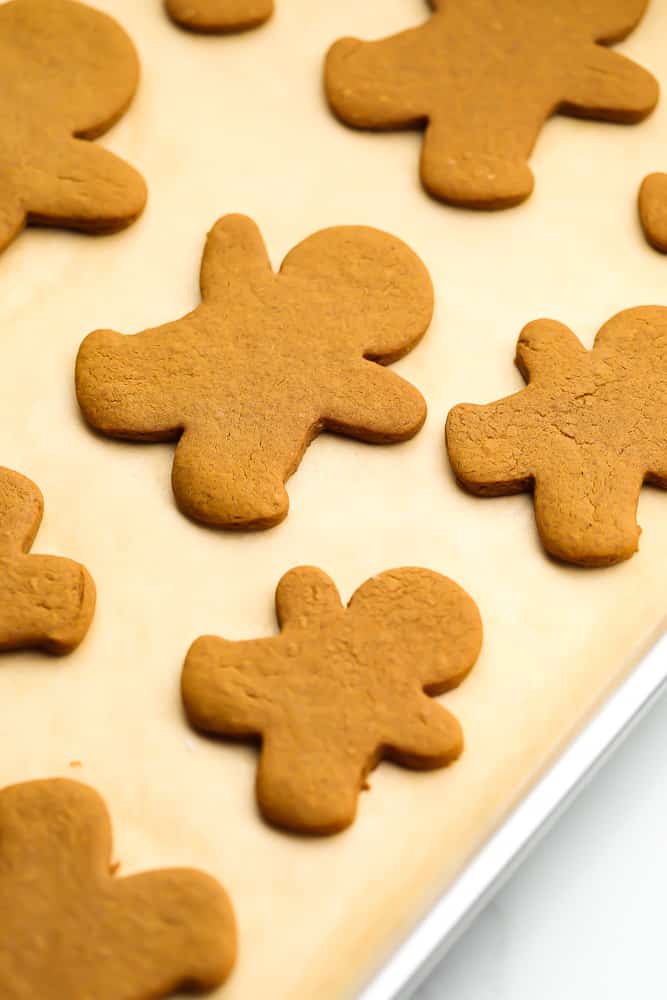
x: 653, y: 210
x: 483, y: 76
x: 339, y: 688
x: 71, y: 930
x: 67, y: 74
x: 45, y: 601
x: 219, y: 15
x: 586, y: 433
x: 266, y: 362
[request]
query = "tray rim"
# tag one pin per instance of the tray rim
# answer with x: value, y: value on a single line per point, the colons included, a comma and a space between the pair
x: 530, y: 819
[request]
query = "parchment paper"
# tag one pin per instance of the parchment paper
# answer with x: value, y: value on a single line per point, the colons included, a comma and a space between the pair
x: 239, y: 124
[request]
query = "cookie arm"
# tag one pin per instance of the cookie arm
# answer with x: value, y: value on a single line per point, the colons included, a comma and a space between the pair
x: 381, y: 84
x: 235, y: 254
x: 185, y: 923
x: 425, y: 736
x: 46, y: 602
x: 223, y: 686
x: 375, y: 405
x: 127, y: 385
x: 486, y: 448
x: 83, y: 186
x: 305, y: 596
x: 610, y: 87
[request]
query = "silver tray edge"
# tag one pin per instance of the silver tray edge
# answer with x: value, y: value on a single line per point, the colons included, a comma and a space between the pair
x: 519, y: 833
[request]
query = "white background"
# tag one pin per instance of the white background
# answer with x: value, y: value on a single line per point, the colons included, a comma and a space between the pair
x: 584, y: 917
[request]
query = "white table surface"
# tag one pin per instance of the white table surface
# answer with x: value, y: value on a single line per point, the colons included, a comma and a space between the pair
x: 584, y: 917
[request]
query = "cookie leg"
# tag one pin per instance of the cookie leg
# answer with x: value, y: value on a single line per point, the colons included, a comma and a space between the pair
x: 85, y: 187
x: 228, y: 480
x: 491, y: 178
x: 653, y: 210
x: 219, y: 15
x: 309, y: 781
x: 586, y: 509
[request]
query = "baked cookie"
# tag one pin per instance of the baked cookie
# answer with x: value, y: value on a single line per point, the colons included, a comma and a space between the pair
x: 339, y: 688
x: 45, y: 601
x: 653, y: 210
x: 71, y: 930
x: 586, y: 433
x: 221, y: 16
x: 266, y: 362
x: 483, y: 76
x: 67, y: 73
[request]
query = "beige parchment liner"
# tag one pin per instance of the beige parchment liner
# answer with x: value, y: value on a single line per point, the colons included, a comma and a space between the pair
x: 239, y: 124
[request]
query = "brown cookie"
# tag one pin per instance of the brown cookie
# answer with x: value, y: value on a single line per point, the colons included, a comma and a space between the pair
x: 653, y: 210
x: 67, y: 73
x: 45, y: 601
x: 339, y: 688
x: 483, y: 76
x: 587, y: 432
x: 71, y: 930
x: 219, y: 16
x: 266, y: 362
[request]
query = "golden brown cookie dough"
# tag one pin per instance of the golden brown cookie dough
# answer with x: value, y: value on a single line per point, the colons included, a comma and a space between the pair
x: 266, y: 362
x: 586, y: 433
x: 45, y: 601
x: 219, y: 15
x: 653, y: 210
x: 67, y: 74
x: 483, y: 76
x: 339, y: 688
x: 71, y: 930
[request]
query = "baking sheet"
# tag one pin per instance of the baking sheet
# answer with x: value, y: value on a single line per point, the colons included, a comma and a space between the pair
x: 239, y: 124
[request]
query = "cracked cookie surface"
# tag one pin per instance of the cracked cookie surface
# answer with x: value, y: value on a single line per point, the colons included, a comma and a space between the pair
x: 339, y: 689
x: 588, y: 430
